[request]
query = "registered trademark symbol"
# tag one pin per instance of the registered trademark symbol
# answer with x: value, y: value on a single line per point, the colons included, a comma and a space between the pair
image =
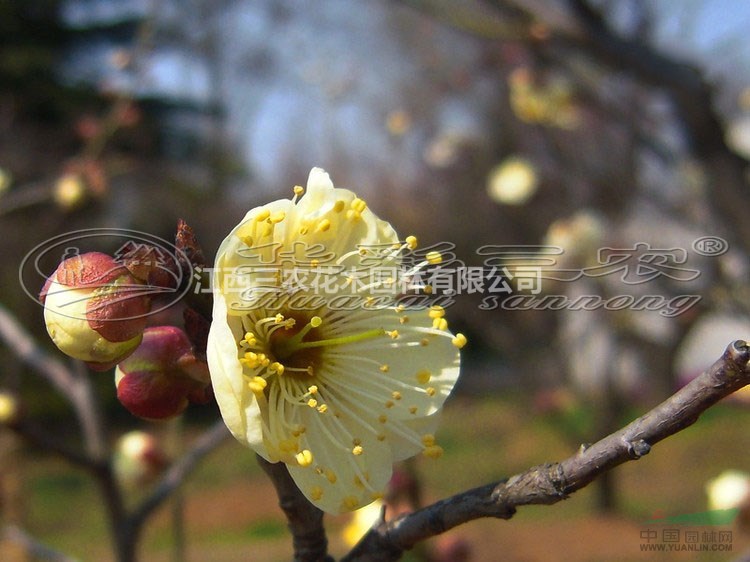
x: 710, y: 246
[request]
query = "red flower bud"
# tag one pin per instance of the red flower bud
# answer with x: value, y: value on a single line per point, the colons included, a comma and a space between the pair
x: 162, y: 376
x: 94, y: 309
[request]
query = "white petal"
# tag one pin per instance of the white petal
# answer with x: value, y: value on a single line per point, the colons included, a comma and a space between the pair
x: 236, y: 402
x: 405, y: 359
x: 374, y: 465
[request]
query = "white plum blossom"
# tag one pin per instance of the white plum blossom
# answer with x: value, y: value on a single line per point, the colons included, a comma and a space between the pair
x: 327, y: 373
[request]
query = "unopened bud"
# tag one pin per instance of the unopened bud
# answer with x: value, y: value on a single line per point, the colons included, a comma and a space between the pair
x: 94, y: 309
x: 162, y: 376
x: 138, y: 459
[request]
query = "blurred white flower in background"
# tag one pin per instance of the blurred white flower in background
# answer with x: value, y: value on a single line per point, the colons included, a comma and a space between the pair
x: 512, y: 182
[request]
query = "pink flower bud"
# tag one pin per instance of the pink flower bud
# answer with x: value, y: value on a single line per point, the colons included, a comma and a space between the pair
x: 94, y: 309
x: 162, y: 376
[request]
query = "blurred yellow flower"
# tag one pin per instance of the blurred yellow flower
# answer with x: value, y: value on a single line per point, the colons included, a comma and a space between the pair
x: 513, y: 181
x: 728, y: 490
x: 69, y: 191
x: 551, y: 103
x: 8, y: 408
x: 362, y: 521
x: 332, y: 381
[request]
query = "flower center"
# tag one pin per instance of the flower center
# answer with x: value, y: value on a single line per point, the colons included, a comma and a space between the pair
x: 300, y: 349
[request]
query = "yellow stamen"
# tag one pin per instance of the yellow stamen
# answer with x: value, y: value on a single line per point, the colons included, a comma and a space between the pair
x: 411, y: 242
x: 434, y: 258
x: 428, y: 440
x: 304, y: 458
x: 276, y: 367
x: 433, y: 451
x: 262, y: 215
x: 323, y: 226
x: 423, y: 376
x: 459, y: 341
x: 357, y: 450
x: 316, y: 492
x: 440, y: 324
x: 436, y: 311
x: 257, y: 385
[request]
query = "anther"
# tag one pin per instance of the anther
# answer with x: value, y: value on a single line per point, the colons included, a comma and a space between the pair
x: 459, y: 340
x: 423, y: 376
x: 433, y: 451
x: 357, y: 450
x: 411, y: 242
x: 434, y: 258
x: 358, y: 205
x: 440, y: 323
x: 257, y: 385
x: 304, y: 458
x: 436, y: 311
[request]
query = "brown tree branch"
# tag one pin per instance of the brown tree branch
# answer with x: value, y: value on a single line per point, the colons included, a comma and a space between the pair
x: 549, y: 483
x: 305, y: 520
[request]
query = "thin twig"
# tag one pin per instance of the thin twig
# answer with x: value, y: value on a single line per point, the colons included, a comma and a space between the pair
x: 209, y: 440
x: 24, y: 346
x: 34, y: 548
x: 549, y: 483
